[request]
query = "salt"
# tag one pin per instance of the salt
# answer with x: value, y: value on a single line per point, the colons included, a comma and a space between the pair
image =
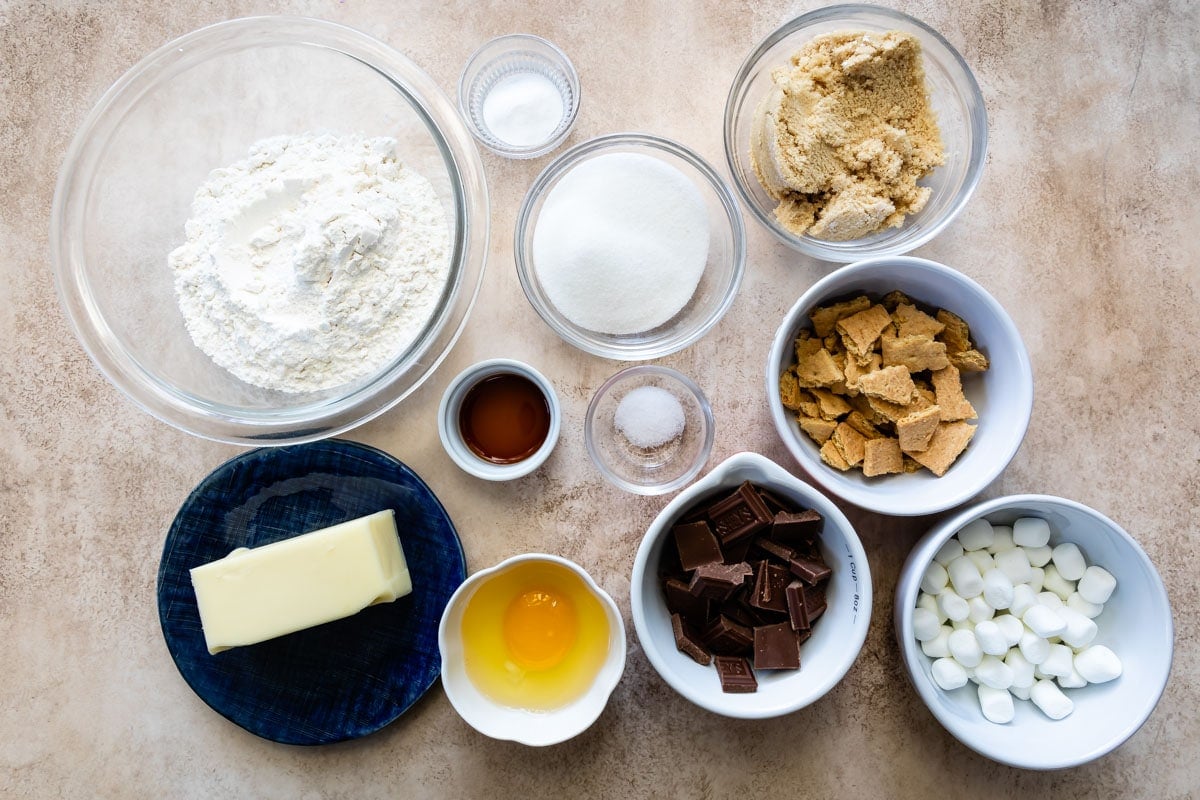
x: 649, y: 416
x: 523, y: 110
x: 621, y: 243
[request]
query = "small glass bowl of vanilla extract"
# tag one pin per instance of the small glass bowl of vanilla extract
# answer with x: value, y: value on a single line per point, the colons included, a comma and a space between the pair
x: 499, y: 419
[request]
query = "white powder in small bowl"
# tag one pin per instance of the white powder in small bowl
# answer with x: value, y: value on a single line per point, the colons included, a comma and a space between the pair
x: 649, y: 416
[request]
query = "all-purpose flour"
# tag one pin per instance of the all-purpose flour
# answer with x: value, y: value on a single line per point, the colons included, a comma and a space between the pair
x: 312, y: 262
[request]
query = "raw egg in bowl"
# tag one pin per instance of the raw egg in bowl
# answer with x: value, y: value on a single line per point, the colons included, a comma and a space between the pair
x: 531, y: 650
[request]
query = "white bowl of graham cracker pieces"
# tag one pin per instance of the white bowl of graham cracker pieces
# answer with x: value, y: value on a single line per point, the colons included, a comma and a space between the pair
x: 900, y: 385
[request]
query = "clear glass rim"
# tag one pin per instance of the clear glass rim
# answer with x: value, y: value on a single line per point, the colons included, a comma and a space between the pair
x: 846, y: 252
x: 321, y: 418
x: 600, y: 344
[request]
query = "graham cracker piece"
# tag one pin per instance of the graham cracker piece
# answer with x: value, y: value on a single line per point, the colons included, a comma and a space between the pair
x: 912, y: 321
x: 855, y: 369
x: 860, y: 423
x: 790, y: 393
x: 859, y: 331
x: 910, y: 465
x: 815, y: 365
x: 882, y: 457
x: 809, y: 407
x: 969, y: 361
x: 915, y: 353
x: 850, y: 442
x: 956, y: 336
x: 916, y: 430
x: 831, y: 405
x: 894, y: 412
x: 819, y: 430
x: 893, y: 384
x: 894, y: 299
x: 863, y: 405
x: 824, y: 319
x: 833, y: 457
x: 949, y: 440
x: 954, y: 405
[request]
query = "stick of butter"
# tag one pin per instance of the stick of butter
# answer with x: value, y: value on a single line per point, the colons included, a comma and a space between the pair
x: 250, y: 596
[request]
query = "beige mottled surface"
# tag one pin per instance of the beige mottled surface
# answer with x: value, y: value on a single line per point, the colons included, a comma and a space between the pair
x: 1084, y: 226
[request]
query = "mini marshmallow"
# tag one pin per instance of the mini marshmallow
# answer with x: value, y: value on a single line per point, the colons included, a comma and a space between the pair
x: 1023, y: 598
x: 1002, y: 539
x: 979, y: 610
x: 1039, y: 576
x: 934, y: 579
x: 926, y: 624
x: 1019, y: 692
x: 982, y: 560
x: 937, y: 646
x: 1033, y: 647
x: 1050, y: 699
x: 964, y: 648
x: 948, y: 674
x: 976, y: 535
x: 1045, y: 622
x: 997, y: 589
x: 1080, y: 629
x: 929, y: 601
x: 1096, y: 585
x: 965, y: 577
x: 994, y: 673
x: 1011, y: 627
x: 1022, y: 670
x: 1050, y: 600
x: 1076, y: 603
x: 1053, y: 581
x: 1015, y: 564
x: 948, y: 552
x: 991, y: 639
x: 1072, y: 680
x: 953, y: 606
x: 1097, y: 664
x: 1039, y: 556
x: 1069, y: 561
x: 996, y: 704
x: 1060, y: 662
x: 1031, y: 532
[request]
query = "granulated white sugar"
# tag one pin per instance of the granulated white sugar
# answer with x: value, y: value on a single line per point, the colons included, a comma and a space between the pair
x: 649, y: 416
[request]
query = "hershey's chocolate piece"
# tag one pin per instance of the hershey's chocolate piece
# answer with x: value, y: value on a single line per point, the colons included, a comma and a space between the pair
x: 811, y: 570
x: 727, y: 637
x: 736, y: 675
x: 696, y: 545
x: 776, y: 647
x: 814, y: 602
x: 803, y: 636
x: 688, y: 644
x: 718, y: 581
x: 738, y: 551
x: 776, y: 503
x: 770, y: 585
x: 780, y: 551
x: 797, y: 610
x: 798, y: 528
x: 739, y: 515
x: 680, y: 600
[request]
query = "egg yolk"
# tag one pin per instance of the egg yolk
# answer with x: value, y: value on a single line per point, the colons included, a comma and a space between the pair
x: 540, y: 627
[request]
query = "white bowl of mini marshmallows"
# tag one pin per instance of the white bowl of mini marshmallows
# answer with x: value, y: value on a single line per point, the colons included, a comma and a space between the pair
x: 1035, y: 629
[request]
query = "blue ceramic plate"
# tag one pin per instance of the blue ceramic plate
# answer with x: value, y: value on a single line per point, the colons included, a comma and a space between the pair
x: 336, y: 681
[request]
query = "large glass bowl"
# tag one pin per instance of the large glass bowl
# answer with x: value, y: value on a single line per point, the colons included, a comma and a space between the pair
x: 199, y: 103
x: 953, y: 93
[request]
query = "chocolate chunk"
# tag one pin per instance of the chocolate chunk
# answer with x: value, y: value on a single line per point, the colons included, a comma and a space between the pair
x: 780, y: 551
x: 775, y: 503
x: 798, y: 528
x: 814, y: 602
x: 770, y: 585
x: 810, y: 570
x: 797, y: 610
x: 680, y: 600
x: 718, y: 581
x: 739, y: 515
x: 727, y: 637
x: 738, y: 551
x: 776, y: 647
x: 736, y: 675
x: 688, y: 644
x: 696, y: 545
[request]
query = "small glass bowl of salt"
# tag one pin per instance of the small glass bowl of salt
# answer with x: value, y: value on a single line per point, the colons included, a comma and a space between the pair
x: 519, y: 95
x: 649, y: 429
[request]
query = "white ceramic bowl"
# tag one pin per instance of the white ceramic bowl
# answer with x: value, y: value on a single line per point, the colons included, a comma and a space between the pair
x: 535, y: 728
x: 1136, y: 624
x: 1002, y: 396
x: 451, y: 435
x: 837, y: 638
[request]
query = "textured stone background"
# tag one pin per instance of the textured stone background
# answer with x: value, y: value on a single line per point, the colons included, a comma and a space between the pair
x: 1084, y: 227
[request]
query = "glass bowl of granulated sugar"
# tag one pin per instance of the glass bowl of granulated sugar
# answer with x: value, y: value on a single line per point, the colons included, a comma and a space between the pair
x: 630, y: 246
x: 270, y: 230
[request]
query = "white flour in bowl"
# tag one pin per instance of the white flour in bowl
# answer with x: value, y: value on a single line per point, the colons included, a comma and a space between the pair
x: 314, y: 261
